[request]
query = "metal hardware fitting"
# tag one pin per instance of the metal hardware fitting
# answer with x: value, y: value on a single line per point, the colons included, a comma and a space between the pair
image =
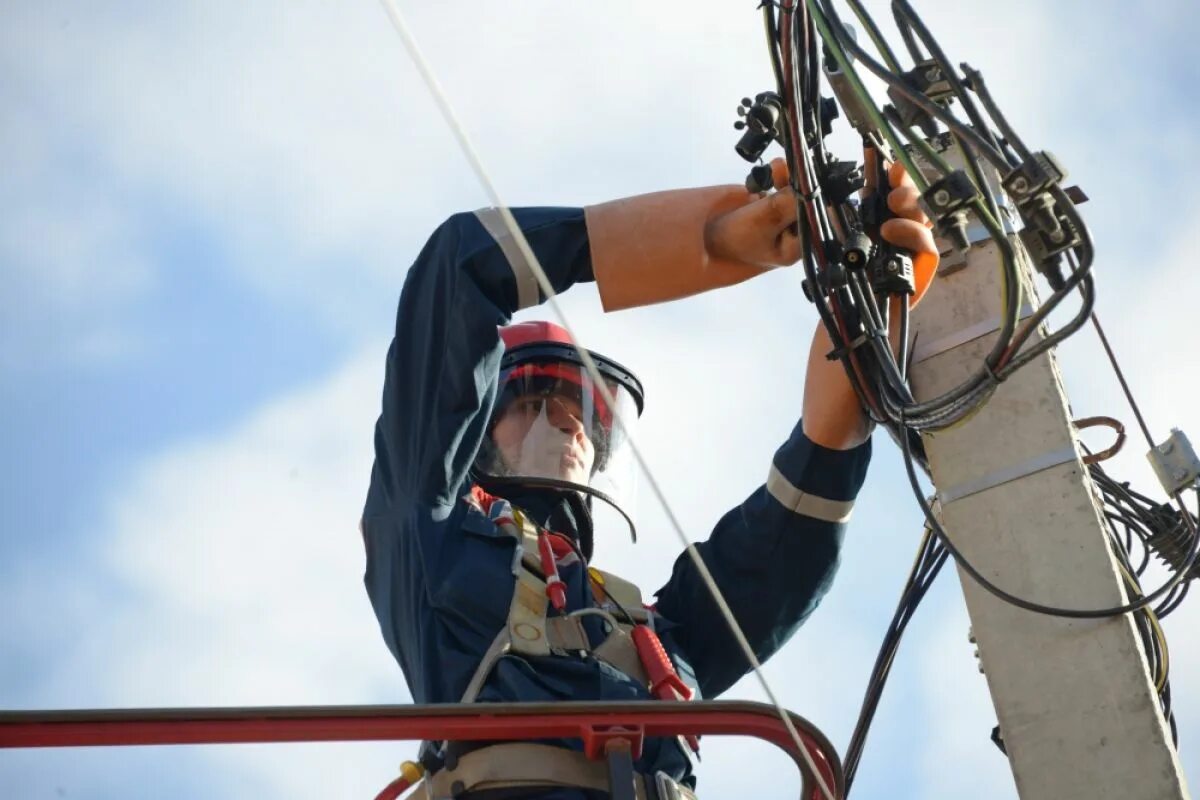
x: 1008, y: 474
x: 1175, y: 462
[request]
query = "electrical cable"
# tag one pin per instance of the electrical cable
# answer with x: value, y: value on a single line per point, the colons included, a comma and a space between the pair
x: 917, y: 25
x: 875, y: 35
x: 846, y: 303
x: 1029, y: 605
x: 1121, y: 504
x: 976, y: 83
x: 910, y: 41
x: 858, y: 318
x: 587, y: 568
x: 1120, y: 373
x: 959, y: 402
x: 931, y: 556
x: 884, y: 386
x: 918, y: 98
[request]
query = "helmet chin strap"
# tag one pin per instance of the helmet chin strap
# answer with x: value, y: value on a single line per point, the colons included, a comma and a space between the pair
x: 572, y: 491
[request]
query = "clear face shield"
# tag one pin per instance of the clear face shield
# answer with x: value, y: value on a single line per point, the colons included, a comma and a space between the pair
x: 552, y: 421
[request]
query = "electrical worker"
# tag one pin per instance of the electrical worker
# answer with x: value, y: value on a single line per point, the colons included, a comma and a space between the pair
x: 493, y: 441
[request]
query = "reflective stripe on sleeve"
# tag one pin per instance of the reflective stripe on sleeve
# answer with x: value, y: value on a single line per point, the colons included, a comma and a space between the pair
x: 527, y: 288
x: 810, y: 505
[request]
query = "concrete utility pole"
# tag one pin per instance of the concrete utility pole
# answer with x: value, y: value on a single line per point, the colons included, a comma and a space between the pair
x: 1077, y: 709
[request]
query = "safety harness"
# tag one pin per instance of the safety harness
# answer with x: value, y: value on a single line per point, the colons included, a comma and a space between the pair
x: 631, y: 647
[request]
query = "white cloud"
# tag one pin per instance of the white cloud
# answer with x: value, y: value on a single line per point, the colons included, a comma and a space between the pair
x: 71, y: 254
x: 304, y: 137
x: 230, y: 573
x: 246, y: 552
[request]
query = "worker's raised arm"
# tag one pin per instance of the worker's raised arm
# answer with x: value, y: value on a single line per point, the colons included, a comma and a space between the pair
x: 443, y: 362
x: 471, y: 277
x: 775, y: 555
x: 773, y: 558
x: 663, y: 246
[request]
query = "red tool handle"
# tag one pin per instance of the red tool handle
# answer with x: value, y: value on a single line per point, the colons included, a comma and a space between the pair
x: 556, y: 590
x: 665, y: 683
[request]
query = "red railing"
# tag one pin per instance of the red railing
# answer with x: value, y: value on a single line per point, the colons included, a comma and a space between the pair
x: 594, y: 723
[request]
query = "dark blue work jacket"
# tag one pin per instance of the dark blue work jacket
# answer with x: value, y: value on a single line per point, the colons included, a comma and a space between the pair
x: 439, y: 571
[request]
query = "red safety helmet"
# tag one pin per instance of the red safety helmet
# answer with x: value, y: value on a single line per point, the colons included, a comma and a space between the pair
x: 542, y: 348
x: 540, y: 360
x: 535, y: 332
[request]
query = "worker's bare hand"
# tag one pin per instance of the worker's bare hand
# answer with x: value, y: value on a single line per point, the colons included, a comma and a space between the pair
x: 762, y: 232
x: 910, y: 228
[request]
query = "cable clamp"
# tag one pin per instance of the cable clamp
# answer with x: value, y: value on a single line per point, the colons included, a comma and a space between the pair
x: 996, y: 380
x: 1033, y: 176
x: 947, y: 201
x: 1049, y: 230
x: 929, y: 79
x: 1008, y: 474
x: 841, y: 180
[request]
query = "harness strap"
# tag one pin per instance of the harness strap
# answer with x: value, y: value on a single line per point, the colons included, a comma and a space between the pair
x: 527, y: 616
x: 529, y: 630
x: 619, y: 651
x: 500, y: 645
x: 623, y: 592
x: 519, y: 765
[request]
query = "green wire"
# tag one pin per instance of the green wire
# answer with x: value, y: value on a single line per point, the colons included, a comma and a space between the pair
x: 876, y: 35
x: 860, y: 90
x: 981, y: 207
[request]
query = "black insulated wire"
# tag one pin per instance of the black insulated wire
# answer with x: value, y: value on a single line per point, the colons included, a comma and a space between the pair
x: 858, y: 319
x: 1028, y: 605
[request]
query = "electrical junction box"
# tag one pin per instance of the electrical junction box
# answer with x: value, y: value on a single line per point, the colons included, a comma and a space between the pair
x: 1175, y: 463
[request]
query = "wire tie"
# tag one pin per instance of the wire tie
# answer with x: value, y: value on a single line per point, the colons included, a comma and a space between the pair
x: 842, y: 352
x: 996, y: 380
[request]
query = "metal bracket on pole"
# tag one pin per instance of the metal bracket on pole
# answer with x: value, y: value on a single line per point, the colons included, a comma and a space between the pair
x: 1003, y: 476
x: 970, y: 333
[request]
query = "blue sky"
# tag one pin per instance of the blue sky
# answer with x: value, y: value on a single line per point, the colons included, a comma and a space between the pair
x: 207, y: 215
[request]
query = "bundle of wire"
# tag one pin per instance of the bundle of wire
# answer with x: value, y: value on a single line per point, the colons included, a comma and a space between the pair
x: 832, y: 225
x: 853, y: 307
x: 868, y: 318
x: 930, y: 558
x: 1139, y: 528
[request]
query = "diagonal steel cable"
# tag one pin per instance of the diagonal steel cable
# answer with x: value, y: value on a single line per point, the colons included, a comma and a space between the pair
x: 510, y: 222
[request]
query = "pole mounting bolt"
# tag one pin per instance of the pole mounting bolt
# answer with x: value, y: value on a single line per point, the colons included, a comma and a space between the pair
x: 947, y: 201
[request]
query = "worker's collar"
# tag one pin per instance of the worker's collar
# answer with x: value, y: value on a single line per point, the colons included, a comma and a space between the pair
x: 559, y: 510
